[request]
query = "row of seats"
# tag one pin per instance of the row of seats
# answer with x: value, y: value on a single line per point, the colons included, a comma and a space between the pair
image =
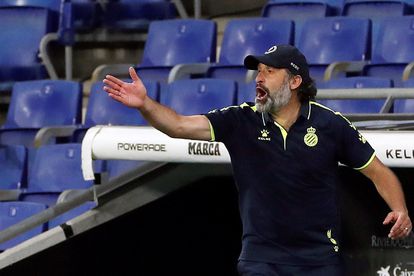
x: 321, y: 8
x: 86, y: 15
x: 167, y: 45
x: 334, y: 47
x: 29, y: 24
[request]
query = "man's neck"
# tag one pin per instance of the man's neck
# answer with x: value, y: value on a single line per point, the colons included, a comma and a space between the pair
x: 288, y: 114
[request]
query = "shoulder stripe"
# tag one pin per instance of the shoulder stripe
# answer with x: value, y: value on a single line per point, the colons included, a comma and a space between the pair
x: 366, y: 164
x: 334, y: 112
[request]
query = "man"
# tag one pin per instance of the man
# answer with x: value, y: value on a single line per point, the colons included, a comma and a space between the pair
x: 285, y: 151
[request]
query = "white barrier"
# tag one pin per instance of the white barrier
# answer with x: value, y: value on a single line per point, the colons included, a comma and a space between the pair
x: 394, y: 148
x: 145, y: 143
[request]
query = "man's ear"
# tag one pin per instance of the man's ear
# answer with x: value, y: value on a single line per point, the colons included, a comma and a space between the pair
x: 295, y: 82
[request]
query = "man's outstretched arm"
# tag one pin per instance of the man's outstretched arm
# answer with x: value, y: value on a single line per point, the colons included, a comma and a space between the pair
x: 389, y: 187
x: 159, y: 116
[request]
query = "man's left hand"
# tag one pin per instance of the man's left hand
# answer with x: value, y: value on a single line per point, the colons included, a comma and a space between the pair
x: 402, y: 224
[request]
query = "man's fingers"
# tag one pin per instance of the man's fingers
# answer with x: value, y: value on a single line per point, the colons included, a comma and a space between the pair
x: 390, y: 218
x: 114, y: 80
x: 111, y: 84
x: 133, y: 74
x: 112, y: 91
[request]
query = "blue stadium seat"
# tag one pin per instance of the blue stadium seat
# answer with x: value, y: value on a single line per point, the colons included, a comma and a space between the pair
x: 356, y: 82
x: 136, y: 15
x: 347, y: 106
x: 405, y: 105
x: 22, y: 31
x: 37, y: 104
x: 14, y: 212
x: 243, y: 37
x: 13, y: 171
x: 103, y: 110
x: 199, y: 96
x: 172, y: 42
x: 115, y: 168
x: 322, y: 42
x: 355, y: 105
x: 375, y: 10
x: 394, y: 49
x: 53, y: 6
x: 246, y: 92
x: 86, y: 14
x: 52, y: 170
x: 299, y: 11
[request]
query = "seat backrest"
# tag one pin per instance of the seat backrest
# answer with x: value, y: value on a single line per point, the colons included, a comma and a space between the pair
x: 355, y: 105
x: 356, y: 82
x: 295, y: 9
x: 322, y: 40
x: 347, y: 106
x: 252, y: 36
x: 35, y: 104
x: 53, y: 5
x: 12, y: 166
x: 298, y: 11
x: 177, y: 41
x: 14, y: 212
x: 20, y: 36
x: 56, y: 168
x: 395, y: 41
x: 103, y: 110
x: 136, y: 15
x: 374, y: 9
x: 246, y: 92
x: 199, y: 96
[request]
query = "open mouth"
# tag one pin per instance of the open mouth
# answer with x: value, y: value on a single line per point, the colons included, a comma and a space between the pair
x: 261, y: 93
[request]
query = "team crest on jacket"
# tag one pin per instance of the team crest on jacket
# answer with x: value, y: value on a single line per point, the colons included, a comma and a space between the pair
x: 310, y: 138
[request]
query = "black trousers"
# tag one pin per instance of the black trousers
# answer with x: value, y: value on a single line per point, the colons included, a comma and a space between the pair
x: 248, y: 268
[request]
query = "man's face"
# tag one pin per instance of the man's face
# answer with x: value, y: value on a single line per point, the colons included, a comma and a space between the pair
x: 272, y: 89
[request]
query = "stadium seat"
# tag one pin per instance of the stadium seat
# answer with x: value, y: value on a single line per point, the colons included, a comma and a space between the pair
x: 405, y: 105
x: 103, y: 110
x: 356, y: 82
x: 86, y: 14
x: 199, y: 96
x: 22, y: 31
x: 355, y: 105
x: 375, y: 10
x: 14, y: 212
x: 135, y: 15
x: 299, y: 11
x: 246, y: 92
x: 179, y: 41
x: 60, y: 28
x: 115, y: 168
x: 38, y: 104
x: 54, y: 169
x: 394, y: 49
x: 349, y: 106
x: 13, y: 168
x: 322, y: 42
x: 243, y: 37
x: 170, y: 43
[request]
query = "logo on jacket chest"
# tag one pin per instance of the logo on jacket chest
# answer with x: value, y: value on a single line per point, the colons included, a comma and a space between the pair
x: 310, y: 138
x: 264, y: 135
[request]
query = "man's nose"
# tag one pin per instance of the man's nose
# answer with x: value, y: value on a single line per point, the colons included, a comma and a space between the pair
x: 259, y: 77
